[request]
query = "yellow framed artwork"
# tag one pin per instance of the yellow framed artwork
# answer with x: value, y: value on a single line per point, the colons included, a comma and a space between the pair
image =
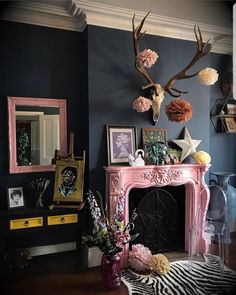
x: 69, y: 182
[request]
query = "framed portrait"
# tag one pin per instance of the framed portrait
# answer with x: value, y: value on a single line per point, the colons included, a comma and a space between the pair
x: 69, y: 182
x: 151, y: 135
x: 15, y: 197
x: 230, y: 124
x: 121, y: 141
x: 231, y: 109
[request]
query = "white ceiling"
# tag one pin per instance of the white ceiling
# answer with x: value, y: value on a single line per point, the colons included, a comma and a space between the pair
x: 174, y: 18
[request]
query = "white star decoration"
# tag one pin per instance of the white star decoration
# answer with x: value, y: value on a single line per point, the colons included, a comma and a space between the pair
x: 187, y: 144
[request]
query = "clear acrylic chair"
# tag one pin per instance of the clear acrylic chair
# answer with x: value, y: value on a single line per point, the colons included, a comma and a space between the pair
x: 216, y: 227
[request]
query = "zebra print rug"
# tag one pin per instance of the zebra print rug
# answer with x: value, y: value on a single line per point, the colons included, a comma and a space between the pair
x: 204, y: 278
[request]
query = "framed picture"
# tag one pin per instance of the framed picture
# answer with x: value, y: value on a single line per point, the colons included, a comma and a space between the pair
x: 231, y: 109
x: 151, y: 135
x: 121, y: 141
x: 154, y: 145
x: 15, y: 197
x: 230, y: 124
x: 69, y: 182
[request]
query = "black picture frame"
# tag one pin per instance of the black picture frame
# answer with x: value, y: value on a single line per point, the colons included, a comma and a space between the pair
x: 121, y: 141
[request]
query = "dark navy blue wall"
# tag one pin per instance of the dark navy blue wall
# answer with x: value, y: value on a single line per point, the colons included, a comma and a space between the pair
x: 114, y: 84
x: 41, y: 62
x: 222, y: 145
x: 94, y: 71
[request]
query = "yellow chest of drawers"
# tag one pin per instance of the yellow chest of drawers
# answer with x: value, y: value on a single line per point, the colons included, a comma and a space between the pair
x: 62, y: 219
x: 26, y: 223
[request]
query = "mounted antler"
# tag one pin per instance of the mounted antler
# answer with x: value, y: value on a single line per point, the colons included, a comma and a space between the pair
x: 202, y: 50
x: 147, y: 58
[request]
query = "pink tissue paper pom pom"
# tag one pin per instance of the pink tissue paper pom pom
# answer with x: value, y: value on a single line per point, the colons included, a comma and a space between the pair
x: 147, y: 58
x: 142, y: 104
x: 139, y: 257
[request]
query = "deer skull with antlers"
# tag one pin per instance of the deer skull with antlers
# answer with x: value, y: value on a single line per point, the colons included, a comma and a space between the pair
x: 147, y: 58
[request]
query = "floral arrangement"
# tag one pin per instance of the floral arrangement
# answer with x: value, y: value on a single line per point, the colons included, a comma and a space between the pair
x: 141, y: 259
x: 109, y: 236
x: 208, y: 76
x: 202, y: 157
x: 147, y: 58
x: 142, y: 104
x: 179, y: 110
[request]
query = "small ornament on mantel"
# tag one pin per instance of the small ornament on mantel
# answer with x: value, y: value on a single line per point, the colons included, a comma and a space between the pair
x: 187, y: 144
x: 138, y: 159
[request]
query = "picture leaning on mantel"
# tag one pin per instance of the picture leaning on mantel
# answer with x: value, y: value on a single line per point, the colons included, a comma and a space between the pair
x: 121, y: 141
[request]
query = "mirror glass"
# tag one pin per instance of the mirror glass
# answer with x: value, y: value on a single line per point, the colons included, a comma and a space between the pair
x: 37, y: 128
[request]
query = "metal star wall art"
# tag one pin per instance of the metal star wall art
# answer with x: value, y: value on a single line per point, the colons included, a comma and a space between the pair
x: 187, y: 144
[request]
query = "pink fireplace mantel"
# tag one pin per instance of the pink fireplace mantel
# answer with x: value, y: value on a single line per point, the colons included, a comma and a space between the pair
x: 121, y: 179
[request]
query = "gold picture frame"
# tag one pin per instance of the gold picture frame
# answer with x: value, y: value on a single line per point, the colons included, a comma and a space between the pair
x: 230, y: 124
x: 151, y: 135
x: 69, y: 182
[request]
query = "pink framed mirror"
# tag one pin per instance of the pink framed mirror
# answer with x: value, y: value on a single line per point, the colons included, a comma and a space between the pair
x: 36, y: 128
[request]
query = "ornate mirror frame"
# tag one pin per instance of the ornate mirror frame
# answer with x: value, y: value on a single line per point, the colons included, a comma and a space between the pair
x: 29, y: 101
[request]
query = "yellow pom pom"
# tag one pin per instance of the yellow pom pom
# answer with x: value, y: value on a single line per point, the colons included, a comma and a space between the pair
x: 202, y: 158
x: 160, y: 264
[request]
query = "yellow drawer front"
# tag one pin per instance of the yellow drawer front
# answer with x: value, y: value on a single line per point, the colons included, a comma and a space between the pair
x: 26, y: 223
x: 62, y: 219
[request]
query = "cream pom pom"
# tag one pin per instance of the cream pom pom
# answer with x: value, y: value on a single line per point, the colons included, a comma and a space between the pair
x: 160, y: 264
x: 208, y: 76
x: 202, y: 157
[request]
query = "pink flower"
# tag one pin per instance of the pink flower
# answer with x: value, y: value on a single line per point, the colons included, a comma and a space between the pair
x: 122, y: 238
x: 139, y: 257
x: 142, y: 104
x: 147, y: 58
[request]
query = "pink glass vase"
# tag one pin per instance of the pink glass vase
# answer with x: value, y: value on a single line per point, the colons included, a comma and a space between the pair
x: 111, y: 272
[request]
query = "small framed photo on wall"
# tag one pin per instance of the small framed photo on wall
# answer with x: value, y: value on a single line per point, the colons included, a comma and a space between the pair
x: 15, y: 197
x: 121, y: 141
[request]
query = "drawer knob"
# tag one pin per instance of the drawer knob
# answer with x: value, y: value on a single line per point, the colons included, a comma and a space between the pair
x: 62, y: 219
x: 26, y: 223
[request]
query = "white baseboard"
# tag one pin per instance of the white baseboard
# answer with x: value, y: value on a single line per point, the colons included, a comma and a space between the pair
x: 50, y: 249
x: 94, y: 257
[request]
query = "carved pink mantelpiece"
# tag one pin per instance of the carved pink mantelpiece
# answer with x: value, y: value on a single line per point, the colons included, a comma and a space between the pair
x: 121, y: 179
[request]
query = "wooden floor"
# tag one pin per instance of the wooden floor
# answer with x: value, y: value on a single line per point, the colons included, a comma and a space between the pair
x: 59, y: 274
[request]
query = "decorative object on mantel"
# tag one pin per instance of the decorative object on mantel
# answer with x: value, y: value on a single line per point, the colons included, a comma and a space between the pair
x: 202, y: 157
x: 39, y: 186
x: 154, y: 142
x: 157, y: 153
x: 138, y: 159
x: 147, y: 58
x: 110, y: 236
x: 187, y: 144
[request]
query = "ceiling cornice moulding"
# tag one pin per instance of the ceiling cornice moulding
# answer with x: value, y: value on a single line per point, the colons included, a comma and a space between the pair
x: 76, y: 14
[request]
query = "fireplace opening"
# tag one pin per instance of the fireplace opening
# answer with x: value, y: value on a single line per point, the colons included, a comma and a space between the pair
x: 161, y: 217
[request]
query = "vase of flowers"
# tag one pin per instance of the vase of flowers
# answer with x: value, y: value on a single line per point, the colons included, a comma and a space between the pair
x: 111, y: 271
x: 110, y: 236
